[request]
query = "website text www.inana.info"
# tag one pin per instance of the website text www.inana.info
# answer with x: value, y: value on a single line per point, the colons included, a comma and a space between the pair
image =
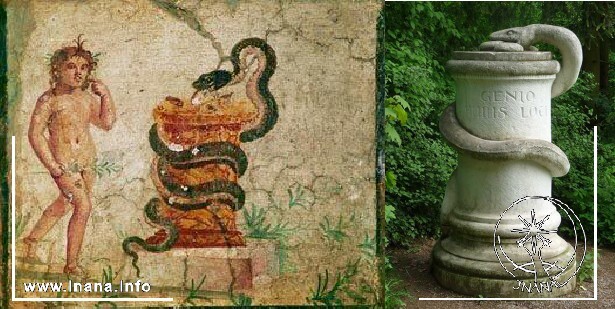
x: 87, y: 287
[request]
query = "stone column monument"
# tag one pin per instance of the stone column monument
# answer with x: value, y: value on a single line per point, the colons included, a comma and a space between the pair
x: 501, y: 126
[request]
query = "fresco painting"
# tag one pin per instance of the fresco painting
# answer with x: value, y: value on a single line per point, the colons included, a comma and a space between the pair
x: 199, y: 158
x: 65, y: 112
x: 223, y: 152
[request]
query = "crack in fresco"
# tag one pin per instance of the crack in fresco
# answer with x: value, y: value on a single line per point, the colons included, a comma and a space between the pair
x: 296, y: 30
x: 298, y: 33
x: 369, y: 60
x: 192, y: 20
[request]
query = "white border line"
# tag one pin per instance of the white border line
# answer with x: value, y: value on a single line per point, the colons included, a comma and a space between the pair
x: 13, y: 216
x: 33, y: 299
x: 92, y: 299
x: 595, y: 242
x: 595, y: 212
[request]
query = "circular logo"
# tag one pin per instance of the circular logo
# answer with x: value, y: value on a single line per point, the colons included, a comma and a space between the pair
x: 533, y: 238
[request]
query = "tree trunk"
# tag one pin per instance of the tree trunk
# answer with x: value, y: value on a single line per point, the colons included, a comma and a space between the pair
x: 604, y: 67
x: 592, y: 61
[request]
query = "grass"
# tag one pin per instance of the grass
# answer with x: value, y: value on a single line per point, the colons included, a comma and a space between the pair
x: 105, y: 167
x: 331, y: 294
x: 297, y: 196
x: 337, y: 232
x: 20, y: 224
x: 241, y: 301
x: 107, y: 277
x: 257, y: 228
x: 368, y: 246
x: 194, y: 291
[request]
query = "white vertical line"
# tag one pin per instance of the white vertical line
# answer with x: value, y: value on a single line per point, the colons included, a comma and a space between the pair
x: 595, y: 212
x: 13, y: 216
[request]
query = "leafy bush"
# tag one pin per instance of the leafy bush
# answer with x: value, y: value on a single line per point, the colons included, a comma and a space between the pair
x: 416, y: 79
x: 606, y: 193
x: 586, y: 271
x: 572, y: 133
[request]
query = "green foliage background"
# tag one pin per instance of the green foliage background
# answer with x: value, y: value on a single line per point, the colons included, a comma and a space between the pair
x: 420, y: 38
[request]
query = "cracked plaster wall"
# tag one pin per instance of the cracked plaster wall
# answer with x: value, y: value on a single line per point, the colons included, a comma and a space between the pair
x: 324, y: 140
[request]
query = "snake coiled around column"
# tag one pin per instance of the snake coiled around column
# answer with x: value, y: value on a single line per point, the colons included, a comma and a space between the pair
x: 219, y: 191
x: 542, y: 152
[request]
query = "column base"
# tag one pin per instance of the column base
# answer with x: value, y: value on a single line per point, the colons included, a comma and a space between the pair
x: 489, y: 279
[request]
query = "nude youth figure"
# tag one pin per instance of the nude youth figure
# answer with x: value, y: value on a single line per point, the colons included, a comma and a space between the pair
x: 65, y: 112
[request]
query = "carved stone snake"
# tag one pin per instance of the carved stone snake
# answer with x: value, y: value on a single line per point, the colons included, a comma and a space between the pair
x: 565, y: 40
x: 513, y: 40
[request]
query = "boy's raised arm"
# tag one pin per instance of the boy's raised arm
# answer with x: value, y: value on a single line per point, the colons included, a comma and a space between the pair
x: 36, y: 135
x: 103, y: 114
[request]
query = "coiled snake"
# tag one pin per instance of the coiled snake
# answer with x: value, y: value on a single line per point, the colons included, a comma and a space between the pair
x: 220, y: 191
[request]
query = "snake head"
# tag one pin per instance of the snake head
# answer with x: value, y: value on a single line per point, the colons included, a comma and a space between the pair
x: 520, y: 35
x: 213, y: 80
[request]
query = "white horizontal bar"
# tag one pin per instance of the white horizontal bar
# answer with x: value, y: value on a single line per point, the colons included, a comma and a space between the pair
x: 109, y: 299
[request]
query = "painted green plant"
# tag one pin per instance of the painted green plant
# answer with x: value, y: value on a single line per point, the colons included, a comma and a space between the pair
x: 121, y: 234
x: 48, y: 56
x: 194, y: 293
x: 323, y: 295
x: 107, y: 277
x: 105, y: 168
x: 283, y: 258
x: 96, y: 56
x: 368, y: 246
x: 20, y: 223
x: 257, y: 228
x: 238, y: 301
x: 331, y: 294
x: 335, y: 232
x: 297, y: 194
x: 241, y: 301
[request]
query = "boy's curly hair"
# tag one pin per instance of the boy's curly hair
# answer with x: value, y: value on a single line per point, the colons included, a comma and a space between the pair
x: 63, y: 54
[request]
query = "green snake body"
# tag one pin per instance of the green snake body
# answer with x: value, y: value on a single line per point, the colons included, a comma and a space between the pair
x: 217, y: 152
x: 270, y: 117
x: 194, y: 197
x: 151, y: 212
